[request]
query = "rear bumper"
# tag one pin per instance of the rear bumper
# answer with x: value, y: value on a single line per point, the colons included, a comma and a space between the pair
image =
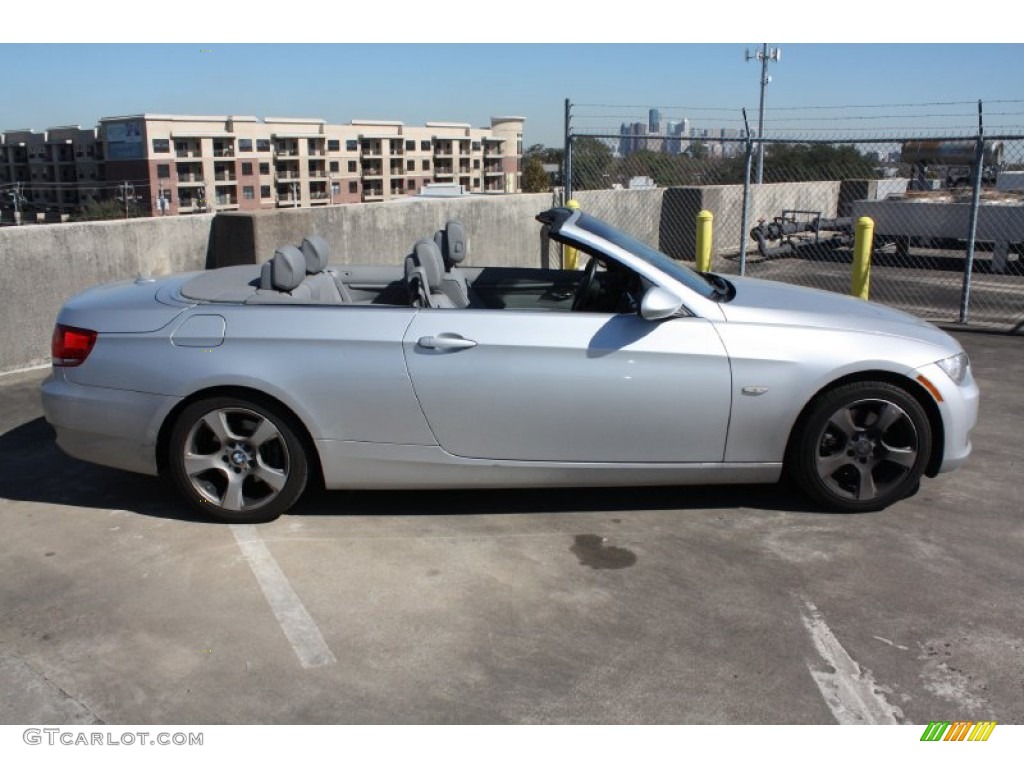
x: 113, y: 427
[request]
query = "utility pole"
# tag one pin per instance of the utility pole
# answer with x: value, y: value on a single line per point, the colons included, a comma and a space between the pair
x: 765, y: 55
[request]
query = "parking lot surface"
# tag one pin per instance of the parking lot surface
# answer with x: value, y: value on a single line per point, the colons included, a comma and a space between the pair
x: 652, y: 605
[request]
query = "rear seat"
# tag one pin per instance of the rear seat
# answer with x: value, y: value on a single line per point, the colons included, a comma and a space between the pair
x: 301, y: 276
x: 282, y: 279
x: 325, y: 284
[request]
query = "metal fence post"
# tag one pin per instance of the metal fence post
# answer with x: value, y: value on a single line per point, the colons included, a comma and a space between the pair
x: 567, y: 153
x: 745, y: 220
x: 972, y: 228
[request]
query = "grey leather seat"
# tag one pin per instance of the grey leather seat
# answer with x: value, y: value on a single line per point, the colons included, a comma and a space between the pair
x: 324, y: 284
x: 424, y: 268
x: 454, y: 246
x: 282, y: 278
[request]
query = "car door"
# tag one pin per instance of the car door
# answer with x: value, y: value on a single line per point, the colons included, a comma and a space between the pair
x: 570, y: 386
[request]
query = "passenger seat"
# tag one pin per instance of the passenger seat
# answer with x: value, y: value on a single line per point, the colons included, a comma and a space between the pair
x: 454, y: 246
x: 424, y: 268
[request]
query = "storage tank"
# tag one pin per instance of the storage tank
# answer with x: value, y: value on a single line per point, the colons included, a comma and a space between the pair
x: 950, y: 152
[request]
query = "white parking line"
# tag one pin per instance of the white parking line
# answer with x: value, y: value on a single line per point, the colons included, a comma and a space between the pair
x: 848, y: 689
x: 291, y: 614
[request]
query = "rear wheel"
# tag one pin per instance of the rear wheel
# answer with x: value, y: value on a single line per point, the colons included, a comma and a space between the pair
x: 237, y: 460
x: 861, y: 447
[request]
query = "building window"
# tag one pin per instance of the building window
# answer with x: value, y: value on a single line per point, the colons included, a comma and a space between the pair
x: 181, y: 146
x: 412, y: 183
x: 161, y: 145
x: 410, y: 146
x: 333, y: 145
x: 265, y: 191
x: 163, y: 171
x: 245, y: 145
x: 476, y: 182
x: 425, y: 145
x: 248, y: 193
x: 353, y: 187
x: 476, y: 164
x: 476, y: 146
x: 352, y: 166
x: 334, y: 166
x: 335, y: 188
x: 410, y: 165
x: 262, y: 145
x: 352, y: 145
x: 426, y: 165
x: 264, y: 169
x: 247, y: 169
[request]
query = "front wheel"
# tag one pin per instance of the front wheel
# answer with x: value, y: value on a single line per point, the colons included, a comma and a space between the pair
x: 237, y: 460
x: 861, y: 447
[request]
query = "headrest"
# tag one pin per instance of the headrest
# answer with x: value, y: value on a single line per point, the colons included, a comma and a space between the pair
x: 288, y: 268
x: 453, y: 242
x: 317, y: 253
x: 428, y: 256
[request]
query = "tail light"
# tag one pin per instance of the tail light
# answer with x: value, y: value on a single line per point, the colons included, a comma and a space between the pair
x: 71, y: 346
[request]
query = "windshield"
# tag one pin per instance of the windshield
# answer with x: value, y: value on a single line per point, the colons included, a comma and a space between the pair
x: 669, y: 266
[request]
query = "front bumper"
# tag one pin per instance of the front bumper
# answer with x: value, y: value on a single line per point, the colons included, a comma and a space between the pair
x: 113, y: 427
x: 959, y: 409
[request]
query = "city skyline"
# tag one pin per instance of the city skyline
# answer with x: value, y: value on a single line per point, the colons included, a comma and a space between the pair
x: 417, y: 83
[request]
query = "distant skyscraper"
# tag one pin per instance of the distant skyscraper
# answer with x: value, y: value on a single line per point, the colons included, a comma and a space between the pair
x: 654, y: 121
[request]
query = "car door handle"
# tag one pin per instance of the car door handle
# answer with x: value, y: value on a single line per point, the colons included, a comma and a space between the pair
x: 446, y: 341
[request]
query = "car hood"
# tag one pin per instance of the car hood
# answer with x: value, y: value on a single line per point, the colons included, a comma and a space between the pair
x: 767, y: 302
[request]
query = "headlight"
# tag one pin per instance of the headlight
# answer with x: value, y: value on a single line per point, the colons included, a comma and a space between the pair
x: 955, y: 367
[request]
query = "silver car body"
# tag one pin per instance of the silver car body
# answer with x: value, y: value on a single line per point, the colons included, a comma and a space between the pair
x: 512, y: 396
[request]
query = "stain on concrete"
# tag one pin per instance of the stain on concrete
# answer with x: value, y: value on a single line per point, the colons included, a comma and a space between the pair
x: 592, y: 552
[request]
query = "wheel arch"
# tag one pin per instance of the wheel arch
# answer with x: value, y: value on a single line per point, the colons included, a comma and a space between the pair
x: 164, y: 435
x: 910, y: 386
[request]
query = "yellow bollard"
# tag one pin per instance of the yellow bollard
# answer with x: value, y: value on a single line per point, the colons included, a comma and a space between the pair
x: 860, y: 280
x: 570, y: 257
x: 705, y: 220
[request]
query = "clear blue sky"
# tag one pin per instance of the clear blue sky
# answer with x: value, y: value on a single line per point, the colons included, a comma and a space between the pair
x: 53, y: 84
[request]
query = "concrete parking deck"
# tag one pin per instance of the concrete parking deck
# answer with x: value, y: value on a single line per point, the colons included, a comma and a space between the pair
x: 667, y: 605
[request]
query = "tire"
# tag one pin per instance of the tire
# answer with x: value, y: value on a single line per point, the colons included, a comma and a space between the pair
x: 861, y: 447
x: 237, y: 460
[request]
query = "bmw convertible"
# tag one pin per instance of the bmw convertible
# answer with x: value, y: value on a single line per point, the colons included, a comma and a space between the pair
x: 246, y: 385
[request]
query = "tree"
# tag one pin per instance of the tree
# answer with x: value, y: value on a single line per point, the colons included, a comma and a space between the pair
x: 591, y: 163
x: 535, y: 178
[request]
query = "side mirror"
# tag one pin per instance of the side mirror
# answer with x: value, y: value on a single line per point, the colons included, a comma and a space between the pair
x: 658, y: 304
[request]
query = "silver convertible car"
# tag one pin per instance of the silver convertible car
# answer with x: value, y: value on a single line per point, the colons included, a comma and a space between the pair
x: 247, y: 384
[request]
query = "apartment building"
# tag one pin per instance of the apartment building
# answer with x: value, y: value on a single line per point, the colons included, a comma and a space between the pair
x: 185, y: 164
x: 55, y: 170
x: 180, y: 164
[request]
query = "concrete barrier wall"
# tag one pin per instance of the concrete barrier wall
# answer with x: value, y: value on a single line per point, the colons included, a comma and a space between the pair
x: 45, y: 265
x: 502, y: 230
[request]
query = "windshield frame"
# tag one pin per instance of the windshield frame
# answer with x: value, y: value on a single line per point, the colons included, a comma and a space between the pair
x: 664, y: 264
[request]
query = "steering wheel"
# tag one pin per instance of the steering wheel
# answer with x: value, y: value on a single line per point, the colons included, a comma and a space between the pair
x: 585, y: 287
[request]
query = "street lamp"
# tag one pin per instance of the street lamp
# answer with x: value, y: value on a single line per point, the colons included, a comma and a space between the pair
x: 765, y: 55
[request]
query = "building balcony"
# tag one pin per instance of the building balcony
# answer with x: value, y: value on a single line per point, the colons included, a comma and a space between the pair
x: 188, y: 153
x: 286, y: 151
x: 227, y: 201
x: 287, y: 201
x: 224, y: 152
x: 286, y: 174
x: 191, y: 178
x: 225, y: 177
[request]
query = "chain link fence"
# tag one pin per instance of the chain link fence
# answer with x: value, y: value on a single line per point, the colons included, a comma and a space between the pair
x: 948, y: 208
